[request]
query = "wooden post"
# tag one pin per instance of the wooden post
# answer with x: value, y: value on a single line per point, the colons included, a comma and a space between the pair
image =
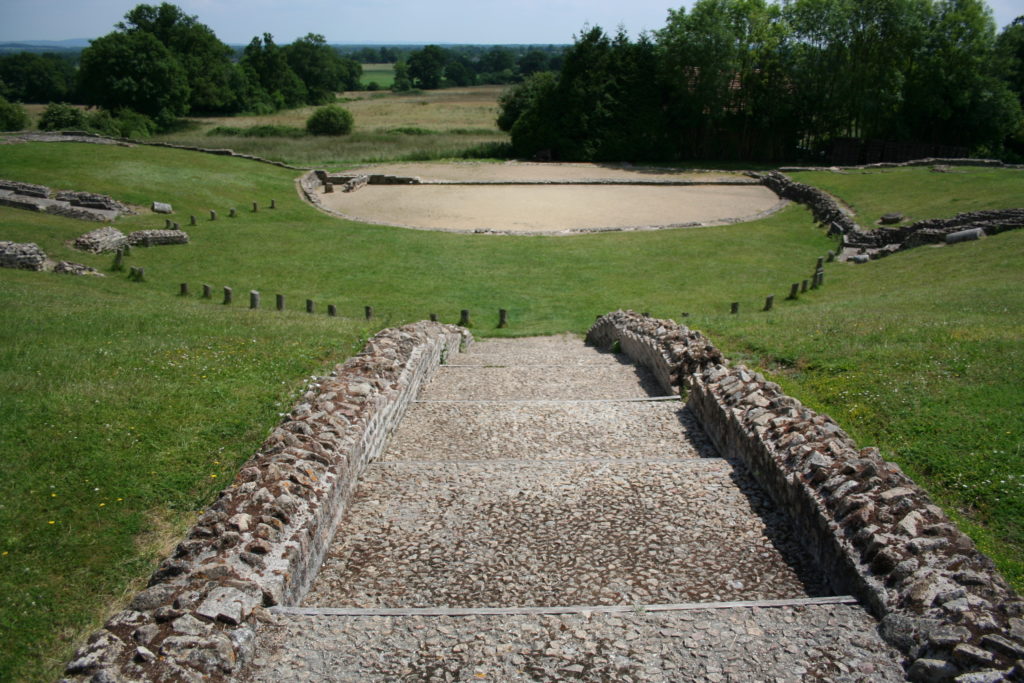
x: 309, y: 305
x: 254, y: 299
x: 464, y: 317
x: 332, y: 310
x: 140, y: 274
x: 734, y: 307
x: 502, y: 317
x: 369, y: 312
x: 280, y: 302
x: 213, y: 215
x: 184, y: 289
x: 167, y: 224
x: 831, y: 256
x: 207, y: 292
x: 255, y: 207
x: 273, y: 203
x: 803, y: 286
x: 794, y: 290
x: 127, y: 249
x: 192, y: 220
x: 233, y: 213
x: 820, y: 264
x: 176, y: 226
x: 769, y: 301
x: 433, y: 317
x: 228, y: 295
x: 118, y: 260
x: 821, y: 277
x: 133, y: 273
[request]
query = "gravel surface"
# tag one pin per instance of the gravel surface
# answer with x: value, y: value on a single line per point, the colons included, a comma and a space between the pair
x: 560, y: 533
x: 552, y: 208
x: 818, y: 643
x: 572, y: 430
x: 540, y: 383
x: 544, y: 351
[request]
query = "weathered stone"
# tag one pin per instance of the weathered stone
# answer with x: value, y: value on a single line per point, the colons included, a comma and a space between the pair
x: 99, y: 653
x: 190, y: 626
x: 27, y: 256
x: 151, y: 238
x: 153, y: 597
x: 161, y: 207
x: 231, y: 605
x: 213, y: 654
x: 102, y: 240
x: 972, y: 656
x: 932, y: 671
x: 1002, y: 645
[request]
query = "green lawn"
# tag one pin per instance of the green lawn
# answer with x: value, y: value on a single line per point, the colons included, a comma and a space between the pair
x: 918, y: 192
x: 123, y: 400
x: 381, y: 74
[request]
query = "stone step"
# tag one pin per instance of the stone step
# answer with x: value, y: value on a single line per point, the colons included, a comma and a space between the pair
x: 837, y: 642
x: 543, y: 533
x: 540, y: 383
x: 548, y: 351
x: 548, y: 430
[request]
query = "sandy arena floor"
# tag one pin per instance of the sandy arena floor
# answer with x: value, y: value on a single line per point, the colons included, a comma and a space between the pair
x: 548, y: 208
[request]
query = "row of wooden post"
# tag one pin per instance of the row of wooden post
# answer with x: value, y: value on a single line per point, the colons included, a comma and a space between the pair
x: 332, y: 310
x: 232, y: 213
x: 816, y: 281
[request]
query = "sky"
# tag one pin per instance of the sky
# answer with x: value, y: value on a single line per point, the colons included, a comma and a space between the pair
x: 369, y: 21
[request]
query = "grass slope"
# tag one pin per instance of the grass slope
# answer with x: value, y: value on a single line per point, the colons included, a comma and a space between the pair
x: 122, y: 399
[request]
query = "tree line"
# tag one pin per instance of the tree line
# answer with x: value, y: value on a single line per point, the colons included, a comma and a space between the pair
x: 464, y: 65
x: 163, y: 64
x: 761, y: 80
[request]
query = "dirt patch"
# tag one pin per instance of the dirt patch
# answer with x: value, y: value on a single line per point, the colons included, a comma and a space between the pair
x: 619, y: 199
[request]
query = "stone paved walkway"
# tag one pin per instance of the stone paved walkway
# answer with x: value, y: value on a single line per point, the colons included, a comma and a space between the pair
x: 533, y: 520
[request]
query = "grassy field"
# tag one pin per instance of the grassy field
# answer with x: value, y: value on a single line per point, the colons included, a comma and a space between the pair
x: 435, y: 124
x: 127, y: 407
x: 381, y: 74
x: 918, y: 192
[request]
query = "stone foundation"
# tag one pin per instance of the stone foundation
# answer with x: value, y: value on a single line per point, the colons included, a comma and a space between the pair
x: 262, y: 542
x: 26, y: 256
x: 152, y: 238
x: 102, y: 240
x: 870, y: 527
x: 79, y: 205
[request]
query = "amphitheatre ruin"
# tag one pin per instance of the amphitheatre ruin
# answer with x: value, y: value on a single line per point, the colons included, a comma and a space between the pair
x: 546, y: 198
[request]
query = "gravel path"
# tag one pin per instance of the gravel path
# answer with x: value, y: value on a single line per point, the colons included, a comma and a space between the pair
x: 782, y: 644
x: 610, y: 512
x: 549, y: 430
x: 560, y: 533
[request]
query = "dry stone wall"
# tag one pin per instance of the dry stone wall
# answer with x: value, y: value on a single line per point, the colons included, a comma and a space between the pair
x: 861, y: 245
x: 102, y: 240
x: 27, y: 256
x: 872, y: 529
x: 152, y: 238
x: 262, y: 542
x: 79, y: 205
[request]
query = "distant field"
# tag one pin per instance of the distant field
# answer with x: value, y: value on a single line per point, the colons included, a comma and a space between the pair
x: 126, y: 407
x: 381, y: 74
x: 434, y: 124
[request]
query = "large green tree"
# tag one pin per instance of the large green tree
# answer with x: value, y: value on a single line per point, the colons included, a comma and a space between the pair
x: 134, y: 71
x: 426, y: 67
x: 321, y: 68
x: 268, y: 64
x: 213, y: 78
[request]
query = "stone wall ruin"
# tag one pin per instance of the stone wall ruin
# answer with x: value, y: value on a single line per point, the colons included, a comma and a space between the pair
x: 262, y: 542
x: 870, y: 527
